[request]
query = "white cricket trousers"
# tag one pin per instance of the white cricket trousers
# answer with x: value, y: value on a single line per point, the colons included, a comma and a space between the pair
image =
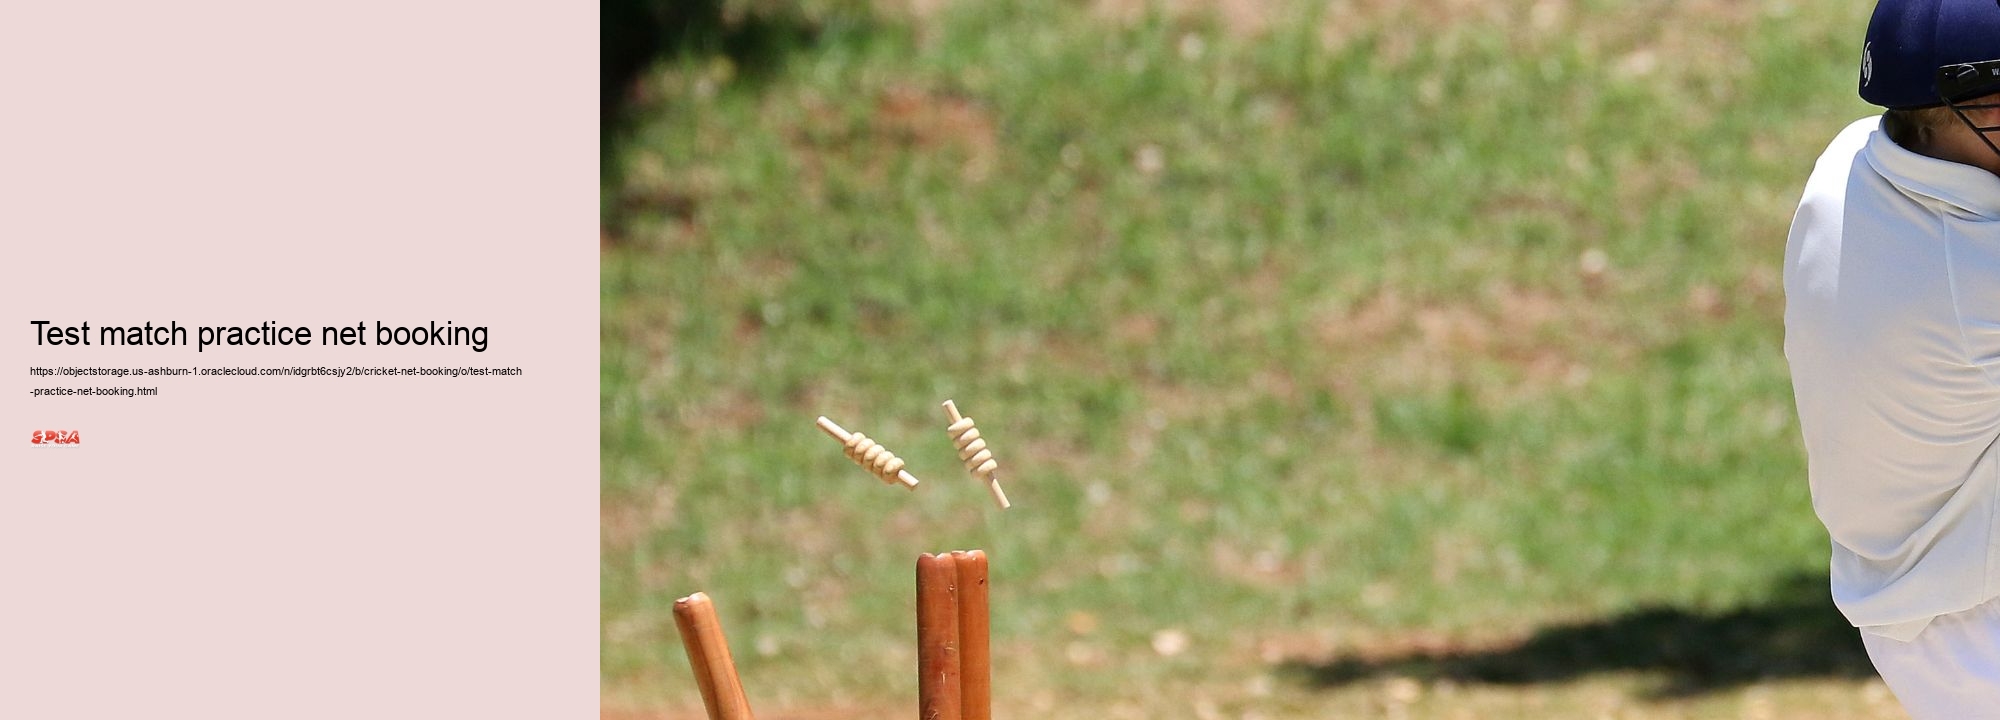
x: 1950, y: 671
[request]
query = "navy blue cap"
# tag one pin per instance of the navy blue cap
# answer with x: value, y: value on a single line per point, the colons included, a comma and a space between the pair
x: 1910, y: 40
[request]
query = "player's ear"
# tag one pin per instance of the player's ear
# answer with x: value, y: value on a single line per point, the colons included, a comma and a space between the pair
x: 1988, y: 115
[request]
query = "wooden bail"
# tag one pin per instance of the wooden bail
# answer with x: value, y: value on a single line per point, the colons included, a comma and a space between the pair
x: 708, y: 651
x: 973, y: 452
x: 938, y: 657
x: 974, y: 637
x: 870, y: 455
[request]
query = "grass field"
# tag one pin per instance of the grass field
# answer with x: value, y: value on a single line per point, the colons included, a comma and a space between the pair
x: 1359, y: 359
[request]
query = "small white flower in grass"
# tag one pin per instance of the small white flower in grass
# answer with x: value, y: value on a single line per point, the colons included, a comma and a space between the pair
x: 1170, y: 642
x: 1150, y: 160
x: 1192, y: 47
x: 1593, y: 263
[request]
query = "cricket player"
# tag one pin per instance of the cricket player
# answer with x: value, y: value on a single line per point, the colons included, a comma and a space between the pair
x: 1892, y: 329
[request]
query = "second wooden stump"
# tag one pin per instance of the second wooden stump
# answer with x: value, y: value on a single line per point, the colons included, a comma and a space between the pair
x: 954, y: 662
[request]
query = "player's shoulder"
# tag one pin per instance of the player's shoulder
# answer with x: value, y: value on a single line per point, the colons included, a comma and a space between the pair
x: 1852, y: 139
x: 1830, y: 172
x: 1859, y: 130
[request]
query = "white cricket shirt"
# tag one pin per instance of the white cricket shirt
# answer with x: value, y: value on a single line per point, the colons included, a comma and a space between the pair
x: 1892, y: 329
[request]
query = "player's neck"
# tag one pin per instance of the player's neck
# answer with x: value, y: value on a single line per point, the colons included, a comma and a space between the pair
x: 1963, y: 146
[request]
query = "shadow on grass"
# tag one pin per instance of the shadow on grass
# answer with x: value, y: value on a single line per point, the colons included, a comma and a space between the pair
x: 1796, y: 635
x: 634, y: 35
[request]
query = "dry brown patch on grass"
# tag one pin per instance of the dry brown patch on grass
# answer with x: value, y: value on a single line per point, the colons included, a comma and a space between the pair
x: 1391, y: 340
x: 1367, y: 322
x: 625, y: 521
x: 919, y: 12
x: 1266, y: 568
x: 1243, y: 18
x: 930, y: 121
x: 729, y: 413
x: 1137, y: 329
x: 905, y: 120
x: 1637, y: 40
x: 1699, y: 35
x: 1525, y: 22
x: 1644, y: 180
x: 648, y: 326
x: 1761, y: 290
x: 1546, y: 203
x: 1055, y: 458
x: 648, y: 190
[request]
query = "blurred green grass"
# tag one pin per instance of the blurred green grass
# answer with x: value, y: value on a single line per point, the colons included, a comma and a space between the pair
x: 1293, y: 326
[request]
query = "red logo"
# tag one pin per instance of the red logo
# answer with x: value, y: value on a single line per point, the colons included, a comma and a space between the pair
x: 56, y: 437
